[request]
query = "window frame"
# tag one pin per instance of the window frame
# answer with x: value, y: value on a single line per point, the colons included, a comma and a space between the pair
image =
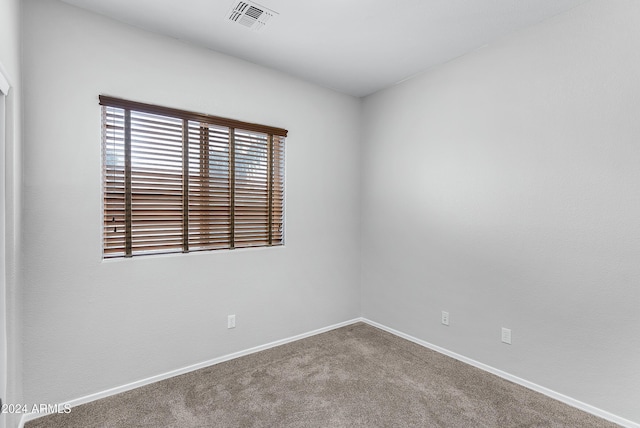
x: 267, y: 139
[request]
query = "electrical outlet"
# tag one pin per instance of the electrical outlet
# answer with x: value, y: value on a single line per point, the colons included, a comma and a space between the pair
x: 445, y: 318
x: 231, y: 321
x: 506, y: 336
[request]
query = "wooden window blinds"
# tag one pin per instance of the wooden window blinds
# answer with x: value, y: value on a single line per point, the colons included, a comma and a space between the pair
x: 176, y: 181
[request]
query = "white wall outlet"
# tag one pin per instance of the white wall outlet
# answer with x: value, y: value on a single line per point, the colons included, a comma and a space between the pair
x: 231, y: 321
x: 445, y: 318
x: 506, y: 335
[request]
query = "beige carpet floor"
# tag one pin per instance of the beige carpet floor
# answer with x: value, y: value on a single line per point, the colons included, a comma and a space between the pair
x: 355, y: 376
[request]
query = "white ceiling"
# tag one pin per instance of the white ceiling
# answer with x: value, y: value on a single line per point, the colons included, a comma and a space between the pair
x: 353, y: 46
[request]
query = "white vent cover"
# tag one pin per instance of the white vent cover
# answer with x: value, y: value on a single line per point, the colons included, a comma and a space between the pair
x: 251, y: 14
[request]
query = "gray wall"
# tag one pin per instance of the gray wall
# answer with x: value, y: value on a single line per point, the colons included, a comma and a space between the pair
x: 90, y: 325
x: 10, y: 215
x: 503, y: 188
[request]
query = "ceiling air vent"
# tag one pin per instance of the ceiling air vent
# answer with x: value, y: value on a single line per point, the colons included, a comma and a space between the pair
x: 251, y: 14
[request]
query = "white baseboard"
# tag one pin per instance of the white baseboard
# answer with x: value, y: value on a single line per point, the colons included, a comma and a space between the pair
x: 137, y: 384
x: 530, y: 385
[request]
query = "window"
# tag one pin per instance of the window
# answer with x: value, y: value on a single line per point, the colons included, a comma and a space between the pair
x: 176, y: 181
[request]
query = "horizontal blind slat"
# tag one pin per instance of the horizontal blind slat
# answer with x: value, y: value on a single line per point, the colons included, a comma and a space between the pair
x: 209, y: 192
x: 113, y: 180
x: 159, y: 167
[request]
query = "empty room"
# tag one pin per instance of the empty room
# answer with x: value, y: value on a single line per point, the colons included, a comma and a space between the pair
x: 413, y: 213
